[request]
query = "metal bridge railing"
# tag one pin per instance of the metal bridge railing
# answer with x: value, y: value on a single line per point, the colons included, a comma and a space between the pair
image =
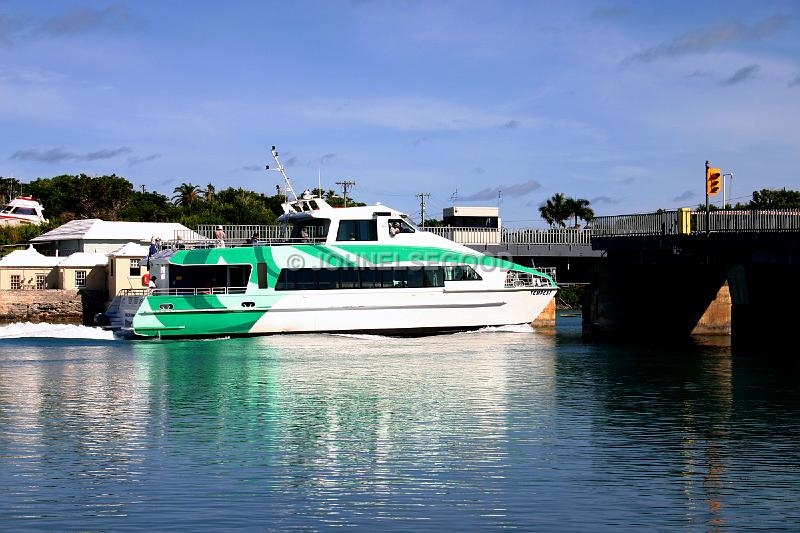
x: 689, y: 222
x: 514, y: 236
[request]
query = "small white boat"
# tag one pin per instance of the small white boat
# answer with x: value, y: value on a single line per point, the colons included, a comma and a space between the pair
x: 22, y: 210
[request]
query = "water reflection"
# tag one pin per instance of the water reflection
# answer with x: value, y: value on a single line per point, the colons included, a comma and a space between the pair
x: 460, y: 431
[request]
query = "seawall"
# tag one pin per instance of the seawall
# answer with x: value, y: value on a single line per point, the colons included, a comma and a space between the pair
x: 49, y: 305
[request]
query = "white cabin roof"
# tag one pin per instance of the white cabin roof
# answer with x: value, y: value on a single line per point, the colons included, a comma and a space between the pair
x: 105, y: 230
x: 28, y: 258
x: 130, y: 249
x: 84, y: 259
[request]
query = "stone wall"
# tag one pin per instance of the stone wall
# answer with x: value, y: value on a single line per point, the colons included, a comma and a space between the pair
x: 48, y: 305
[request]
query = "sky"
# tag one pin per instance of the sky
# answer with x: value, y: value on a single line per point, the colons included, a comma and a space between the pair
x: 476, y: 103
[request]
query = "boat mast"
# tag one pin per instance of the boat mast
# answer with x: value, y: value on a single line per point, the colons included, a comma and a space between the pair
x: 283, y: 173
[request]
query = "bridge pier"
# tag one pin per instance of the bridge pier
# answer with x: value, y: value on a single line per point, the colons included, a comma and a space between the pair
x: 764, y: 305
x: 668, y: 299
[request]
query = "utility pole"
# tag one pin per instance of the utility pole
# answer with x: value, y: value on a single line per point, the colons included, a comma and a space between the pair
x: 705, y: 184
x: 422, y: 196
x: 144, y: 189
x: 346, y: 184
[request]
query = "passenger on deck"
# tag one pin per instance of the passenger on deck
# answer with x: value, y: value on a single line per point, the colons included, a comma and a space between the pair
x: 394, y: 229
x: 220, y: 236
x: 304, y: 235
x: 253, y: 240
x: 152, y: 283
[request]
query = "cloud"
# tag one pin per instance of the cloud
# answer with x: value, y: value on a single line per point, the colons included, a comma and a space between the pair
x: 704, y: 39
x: 290, y: 162
x: 57, y: 155
x: 327, y: 158
x: 73, y: 22
x: 85, y: 19
x: 106, y: 154
x: 744, y: 73
x: 699, y: 74
x: 685, y: 195
x: 609, y: 12
x: 252, y: 168
x: 510, y: 125
x: 795, y: 82
x: 30, y: 75
x: 141, y: 159
x: 479, y: 170
x: 627, y: 181
x: 421, y: 140
x: 605, y: 200
x: 515, y: 189
x: 409, y: 114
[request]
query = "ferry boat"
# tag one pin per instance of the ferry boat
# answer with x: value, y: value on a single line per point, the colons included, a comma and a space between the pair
x: 22, y: 210
x: 362, y: 269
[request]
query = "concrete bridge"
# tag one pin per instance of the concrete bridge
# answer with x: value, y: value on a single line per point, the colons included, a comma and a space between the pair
x: 676, y: 273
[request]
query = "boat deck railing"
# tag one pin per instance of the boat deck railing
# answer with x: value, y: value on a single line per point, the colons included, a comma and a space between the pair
x: 518, y: 279
x: 197, y: 291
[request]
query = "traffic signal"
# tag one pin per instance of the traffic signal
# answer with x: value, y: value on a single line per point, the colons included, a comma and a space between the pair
x: 713, y: 181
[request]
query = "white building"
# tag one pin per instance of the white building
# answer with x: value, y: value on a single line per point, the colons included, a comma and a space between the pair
x: 102, y: 236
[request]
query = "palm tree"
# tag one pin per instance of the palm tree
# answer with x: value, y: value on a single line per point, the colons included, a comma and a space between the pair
x: 555, y: 211
x: 579, y: 208
x: 186, y: 194
x: 210, y: 194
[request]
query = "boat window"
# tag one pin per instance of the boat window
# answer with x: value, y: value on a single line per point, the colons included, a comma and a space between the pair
x: 434, y: 277
x: 327, y: 279
x: 461, y: 273
x: 24, y: 211
x: 263, y: 281
x: 348, y: 278
x: 363, y: 278
x: 311, y: 229
x: 405, y: 227
x: 209, y: 276
x: 357, y: 230
x: 6, y: 209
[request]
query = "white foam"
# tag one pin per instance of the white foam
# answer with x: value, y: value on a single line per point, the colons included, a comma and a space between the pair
x: 514, y: 328
x: 21, y: 330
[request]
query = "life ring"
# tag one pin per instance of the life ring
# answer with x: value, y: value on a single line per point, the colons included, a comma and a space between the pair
x: 146, y: 280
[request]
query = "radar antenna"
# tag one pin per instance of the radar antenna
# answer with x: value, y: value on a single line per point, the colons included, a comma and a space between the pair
x: 283, y: 173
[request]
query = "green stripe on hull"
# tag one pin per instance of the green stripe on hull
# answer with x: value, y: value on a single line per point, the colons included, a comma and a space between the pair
x: 388, y: 254
x: 197, y: 324
x: 325, y: 254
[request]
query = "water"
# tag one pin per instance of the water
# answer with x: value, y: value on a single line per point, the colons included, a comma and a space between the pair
x: 503, y: 428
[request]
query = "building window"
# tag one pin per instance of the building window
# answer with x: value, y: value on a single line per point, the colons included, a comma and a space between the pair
x: 16, y: 282
x: 80, y: 278
x: 41, y: 281
x: 136, y: 269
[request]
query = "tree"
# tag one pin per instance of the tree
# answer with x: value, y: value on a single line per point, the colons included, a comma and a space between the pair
x: 579, y: 208
x: 555, y: 210
x: 210, y: 194
x: 775, y: 199
x: 186, y: 194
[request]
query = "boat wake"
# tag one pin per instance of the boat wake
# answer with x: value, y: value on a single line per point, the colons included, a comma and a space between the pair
x: 22, y: 330
x: 515, y: 328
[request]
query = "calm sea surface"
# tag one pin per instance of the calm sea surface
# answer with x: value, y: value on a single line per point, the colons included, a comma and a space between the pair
x: 496, y: 429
